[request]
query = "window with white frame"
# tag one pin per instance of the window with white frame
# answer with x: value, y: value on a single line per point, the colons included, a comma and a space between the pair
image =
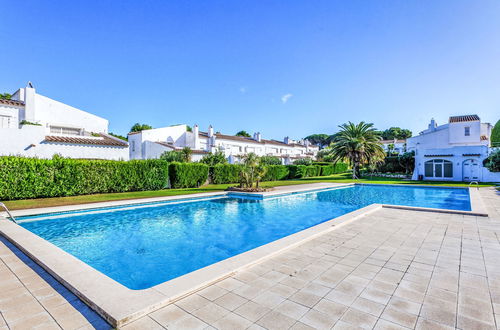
x: 5, y: 121
x: 65, y: 130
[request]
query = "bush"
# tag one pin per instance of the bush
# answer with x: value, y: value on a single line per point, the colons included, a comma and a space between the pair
x: 333, y: 169
x: 303, y: 161
x: 391, y: 164
x: 22, y: 178
x: 492, y: 163
x: 212, y: 159
x: 187, y: 175
x: 276, y: 173
x: 225, y: 173
x: 303, y: 171
x: 270, y: 160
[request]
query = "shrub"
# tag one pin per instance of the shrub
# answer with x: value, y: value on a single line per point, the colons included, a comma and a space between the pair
x: 333, y: 169
x: 225, y: 173
x: 22, y: 178
x: 303, y: 171
x: 303, y: 161
x: 270, y: 160
x: 212, y: 159
x: 187, y: 175
x: 492, y: 163
x: 276, y: 173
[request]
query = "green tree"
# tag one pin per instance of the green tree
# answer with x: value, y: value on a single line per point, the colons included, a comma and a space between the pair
x: 5, y: 96
x: 186, y: 153
x: 252, y: 171
x: 358, y: 144
x: 212, y: 159
x: 396, y: 133
x: 492, y: 163
x: 407, y: 161
x: 495, y: 134
x: 243, y: 133
x: 140, y: 127
x: 322, y: 140
x: 270, y: 160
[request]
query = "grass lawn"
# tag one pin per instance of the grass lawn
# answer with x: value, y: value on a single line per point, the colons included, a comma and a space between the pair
x: 338, y: 178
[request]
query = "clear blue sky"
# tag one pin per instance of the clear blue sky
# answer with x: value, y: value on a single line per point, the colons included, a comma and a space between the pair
x: 279, y: 67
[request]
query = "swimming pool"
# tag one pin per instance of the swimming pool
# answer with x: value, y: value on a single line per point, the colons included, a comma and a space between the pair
x: 145, y: 245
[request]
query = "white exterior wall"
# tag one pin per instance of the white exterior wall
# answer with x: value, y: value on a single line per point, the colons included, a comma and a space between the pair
x: 467, y: 152
x: 28, y: 141
x: 9, y: 116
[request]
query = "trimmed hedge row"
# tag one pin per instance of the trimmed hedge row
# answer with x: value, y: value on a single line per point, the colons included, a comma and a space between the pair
x: 187, y: 175
x: 225, y: 173
x: 22, y: 178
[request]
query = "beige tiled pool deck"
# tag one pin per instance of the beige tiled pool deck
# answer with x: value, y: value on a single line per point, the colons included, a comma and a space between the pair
x: 390, y: 269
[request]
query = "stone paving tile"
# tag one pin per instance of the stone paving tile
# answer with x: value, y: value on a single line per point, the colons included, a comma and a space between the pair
x: 392, y: 269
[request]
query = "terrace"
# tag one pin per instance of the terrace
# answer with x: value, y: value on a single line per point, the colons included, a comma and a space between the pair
x: 390, y: 268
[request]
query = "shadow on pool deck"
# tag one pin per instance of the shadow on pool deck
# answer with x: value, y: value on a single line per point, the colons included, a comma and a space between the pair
x: 92, y: 317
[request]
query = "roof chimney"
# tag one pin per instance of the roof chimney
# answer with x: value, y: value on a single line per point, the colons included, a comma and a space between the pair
x: 257, y: 136
x: 432, y: 125
x: 286, y: 140
x: 210, y: 131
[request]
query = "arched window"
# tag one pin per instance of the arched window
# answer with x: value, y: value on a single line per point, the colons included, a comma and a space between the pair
x: 438, y: 168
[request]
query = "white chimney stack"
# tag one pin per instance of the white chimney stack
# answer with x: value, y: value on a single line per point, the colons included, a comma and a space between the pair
x: 196, y: 133
x: 432, y: 125
x: 286, y: 140
x: 210, y: 131
x: 257, y: 136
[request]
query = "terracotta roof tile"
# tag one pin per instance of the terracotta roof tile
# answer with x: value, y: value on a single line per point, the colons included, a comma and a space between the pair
x: 12, y: 102
x: 459, y: 119
x: 103, y: 141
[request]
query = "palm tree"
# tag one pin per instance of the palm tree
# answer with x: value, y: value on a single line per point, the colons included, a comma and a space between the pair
x: 358, y: 144
x: 253, y: 170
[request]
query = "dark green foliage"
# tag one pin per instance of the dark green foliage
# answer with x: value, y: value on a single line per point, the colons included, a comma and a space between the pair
x: 391, y: 164
x: 187, y: 175
x: 25, y: 122
x: 492, y: 163
x: 396, y: 133
x: 495, y: 135
x: 243, y: 133
x: 333, y: 169
x: 276, y: 173
x: 303, y: 171
x: 22, y: 178
x: 321, y: 140
x: 270, y: 160
x: 121, y: 137
x: 225, y: 173
x: 140, y: 127
x: 303, y: 161
x: 212, y: 159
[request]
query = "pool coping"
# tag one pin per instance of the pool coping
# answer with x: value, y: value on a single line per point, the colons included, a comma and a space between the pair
x: 120, y: 305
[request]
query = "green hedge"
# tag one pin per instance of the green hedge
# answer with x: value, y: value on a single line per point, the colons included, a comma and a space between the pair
x: 225, y: 173
x: 333, y: 169
x: 303, y: 171
x: 22, y: 178
x: 276, y: 173
x: 187, y: 175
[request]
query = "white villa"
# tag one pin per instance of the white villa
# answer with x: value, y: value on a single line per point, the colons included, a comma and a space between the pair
x: 33, y: 125
x: 396, y: 146
x: 153, y: 142
x: 454, y: 151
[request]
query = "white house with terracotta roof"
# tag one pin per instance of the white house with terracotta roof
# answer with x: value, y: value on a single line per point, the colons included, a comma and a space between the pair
x: 454, y: 151
x: 33, y: 125
x: 152, y: 143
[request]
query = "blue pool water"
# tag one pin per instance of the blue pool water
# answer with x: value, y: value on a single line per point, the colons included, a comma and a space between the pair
x: 146, y: 245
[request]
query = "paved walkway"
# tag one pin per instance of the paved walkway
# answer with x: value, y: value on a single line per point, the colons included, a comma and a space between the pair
x: 392, y: 269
